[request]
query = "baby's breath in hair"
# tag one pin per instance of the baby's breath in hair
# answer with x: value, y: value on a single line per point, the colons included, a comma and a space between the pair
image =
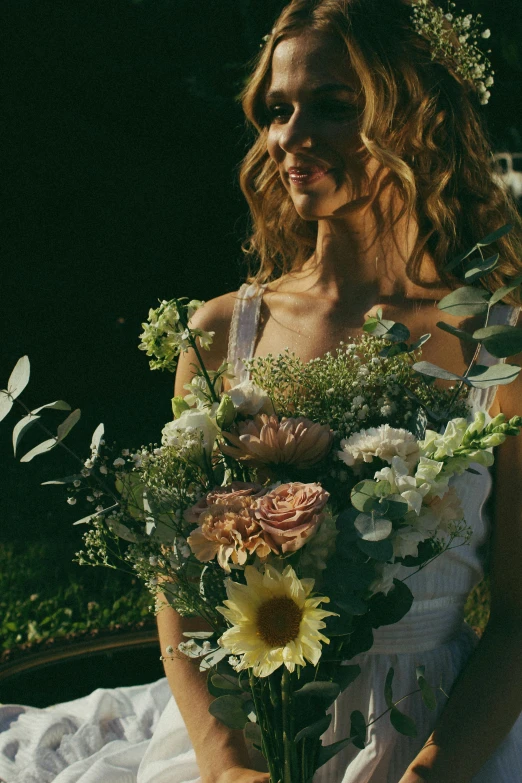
x: 443, y: 30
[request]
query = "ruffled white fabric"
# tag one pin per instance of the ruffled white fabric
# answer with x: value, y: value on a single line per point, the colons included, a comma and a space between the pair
x: 137, y: 735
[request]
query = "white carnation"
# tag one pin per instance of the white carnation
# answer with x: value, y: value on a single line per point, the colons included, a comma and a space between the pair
x: 250, y: 399
x: 384, y: 442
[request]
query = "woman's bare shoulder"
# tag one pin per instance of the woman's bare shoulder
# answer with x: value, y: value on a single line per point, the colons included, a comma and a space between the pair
x: 216, y: 316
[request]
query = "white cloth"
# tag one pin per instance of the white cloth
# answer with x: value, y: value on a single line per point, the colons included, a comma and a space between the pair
x: 137, y: 735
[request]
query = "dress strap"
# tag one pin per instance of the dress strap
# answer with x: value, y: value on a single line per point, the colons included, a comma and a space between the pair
x: 243, y: 328
x: 482, y: 399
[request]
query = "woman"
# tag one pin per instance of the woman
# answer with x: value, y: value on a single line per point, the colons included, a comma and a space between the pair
x: 370, y: 170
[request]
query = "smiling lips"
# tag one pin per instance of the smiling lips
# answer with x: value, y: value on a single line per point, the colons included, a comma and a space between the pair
x: 305, y: 175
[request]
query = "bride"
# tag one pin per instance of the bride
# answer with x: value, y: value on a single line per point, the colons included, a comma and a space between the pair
x: 369, y: 172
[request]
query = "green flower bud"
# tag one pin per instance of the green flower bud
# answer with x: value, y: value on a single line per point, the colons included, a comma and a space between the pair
x: 178, y: 406
x: 226, y: 413
x: 476, y: 427
x: 495, y: 439
x: 500, y: 419
x: 516, y: 421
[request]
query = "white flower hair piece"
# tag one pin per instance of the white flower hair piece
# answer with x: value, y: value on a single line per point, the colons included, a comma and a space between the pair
x: 442, y: 29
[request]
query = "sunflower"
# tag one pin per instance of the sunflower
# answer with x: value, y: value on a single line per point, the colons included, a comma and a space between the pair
x: 274, y: 622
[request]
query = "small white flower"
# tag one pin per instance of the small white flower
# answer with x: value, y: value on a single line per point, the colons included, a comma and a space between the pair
x: 158, y: 452
x: 71, y: 501
x: 449, y: 17
x: 85, y: 472
x: 357, y: 401
x: 169, y: 649
x: 90, y: 498
x: 77, y: 483
x: 89, y: 463
x: 103, y: 470
x: 486, y: 33
x: 125, y: 452
x: 118, y: 462
x: 99, y: 508
x: 363, y: 371
x: 206, y: 646
x: 153, y: 561
x: 489, y: 81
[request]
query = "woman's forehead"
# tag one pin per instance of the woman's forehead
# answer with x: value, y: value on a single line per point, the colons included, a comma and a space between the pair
x: 313, y: 58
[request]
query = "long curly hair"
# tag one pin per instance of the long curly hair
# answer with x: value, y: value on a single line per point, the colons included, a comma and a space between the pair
x: 420, y: 120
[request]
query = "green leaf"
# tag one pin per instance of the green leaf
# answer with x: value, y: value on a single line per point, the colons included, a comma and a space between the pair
x: 47, y: 445
x: 403, y: 723
x: 346, y: 675
x: 66, y: 480
x: 427, y: 693
x: 66, y: 426
x: 358, y: 729
x: 363, y: 494
x: 6, y: 403
x: 199, y: 634
x: 397, y: 333
x: 388, y: 690
x: 351, y: 604
x: 500, y: 232
x: 382, y: 551
x: 427, y: 368
x: 21, y: 428
x: 481, y: 268
x: 397, y: 507
x: 383, y: 327
x: 326, y: 752
x: 370, y: 325
x: 389, y: 609
x: 253, y: 732
x: 420, y: 342
x: 87, y: 519
x: 481, y: 376
x: 323, y: 692
x: 212, y: 659
x: 372, y: 528
x: 224, y: 683
x: 500, y: 341
x: 460, y: 333
x: 229, y: 710
x: 96, y: 438
x: 394, y: 349
x: 19, y: 378
x: 57, y: 405
x: 459, y: 259
x: 500, y: 293
x: 315, y: 730
x: 467, y: 300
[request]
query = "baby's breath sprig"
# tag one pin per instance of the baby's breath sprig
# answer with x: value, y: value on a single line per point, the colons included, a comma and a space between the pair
x: 454, y: 40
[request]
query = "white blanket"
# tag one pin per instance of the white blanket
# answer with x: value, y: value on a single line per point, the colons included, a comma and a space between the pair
x: 100, y: 738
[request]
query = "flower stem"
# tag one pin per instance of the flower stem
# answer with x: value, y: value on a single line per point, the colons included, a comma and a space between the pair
x: 266, y: 739
x: 288, y: 744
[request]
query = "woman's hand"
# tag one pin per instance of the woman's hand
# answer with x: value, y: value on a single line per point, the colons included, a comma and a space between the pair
x: 242, y: 775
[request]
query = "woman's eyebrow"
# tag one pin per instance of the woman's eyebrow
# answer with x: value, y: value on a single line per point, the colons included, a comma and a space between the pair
x: 278, y: 95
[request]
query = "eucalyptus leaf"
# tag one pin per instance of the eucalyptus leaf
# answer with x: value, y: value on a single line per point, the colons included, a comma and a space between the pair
x: 427, y: 693
x: 87, y: 519
x: 388, y: 687
x: 97, y: 436
x: 66, y: 480
x: 6, y: 403
x: 397, y: 507
x: 347, y: 674
x: 321, y: 691
x: 229, y: 710
x: 500, y: 341
x: 225, y: 683
x: 47, y: 445
x: 481, y: 268
x: 460, y: 258
x: 382, y: 551
x: 57, y: 405
x: 315, y: 730
x: 199, y: 634
x: 481, y: 376
x: 394, y: 349
x: 66, y: 426
x: 500, y: 232
x: 460, y: 333
x: 351, y: 603
x: 383, y: 327
x: 363, y: 494
x: 403, y: 723
x: 19, y: 378
x: 372, y: 528
x: 397, y: 333
x: 358, y: 729
x: 467, y: 300
x: 121, y: 530
x: 253, y: 732
x: 427, y: 368
x: 389, y: 609
x: 420, y: 342
x: 326, y: 752
x: 21, y: 428
x: 213, y: 658
x: 500, y: 293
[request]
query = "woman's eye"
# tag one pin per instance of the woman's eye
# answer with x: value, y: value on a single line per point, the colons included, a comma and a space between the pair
x: 338, y: 109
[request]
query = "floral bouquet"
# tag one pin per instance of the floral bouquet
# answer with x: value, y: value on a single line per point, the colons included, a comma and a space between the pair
x: 311, y: 485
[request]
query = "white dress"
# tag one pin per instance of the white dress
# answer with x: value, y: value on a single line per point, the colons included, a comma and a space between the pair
x: 433, y: 634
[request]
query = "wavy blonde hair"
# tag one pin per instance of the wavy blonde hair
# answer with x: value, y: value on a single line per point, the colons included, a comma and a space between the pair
x: 420, y: 121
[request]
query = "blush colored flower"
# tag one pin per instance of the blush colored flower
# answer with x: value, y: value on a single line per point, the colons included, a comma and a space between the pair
x: 268, y: 440
x: 230, y: 533
x: 447, y: 509
x: 291, y: 513
x: 236, y: 493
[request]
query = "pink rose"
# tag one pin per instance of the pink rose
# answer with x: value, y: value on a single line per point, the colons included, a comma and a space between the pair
x: 236, y: 493
x: 291, y: 513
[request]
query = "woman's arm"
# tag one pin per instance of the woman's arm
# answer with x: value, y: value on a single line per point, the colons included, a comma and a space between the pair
x: 487, y: 698
x: 221, y: 753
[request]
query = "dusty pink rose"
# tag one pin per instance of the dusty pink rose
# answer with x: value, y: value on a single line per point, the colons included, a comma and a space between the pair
x: 271, y: 441
x: 291, y: 513
x: 229, y: 532
x: 235, y: 493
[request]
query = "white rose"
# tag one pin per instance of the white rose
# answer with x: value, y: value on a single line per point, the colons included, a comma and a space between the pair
x: 250, y: 399
x: 192, y: 420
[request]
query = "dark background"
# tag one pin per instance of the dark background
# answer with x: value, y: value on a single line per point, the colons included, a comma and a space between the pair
x: 121, y: 140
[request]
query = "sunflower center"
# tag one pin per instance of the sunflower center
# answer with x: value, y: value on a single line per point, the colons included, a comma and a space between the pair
x: 278, y: 621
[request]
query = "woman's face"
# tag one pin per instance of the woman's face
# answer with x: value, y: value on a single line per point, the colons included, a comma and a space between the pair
x: 314, y: 108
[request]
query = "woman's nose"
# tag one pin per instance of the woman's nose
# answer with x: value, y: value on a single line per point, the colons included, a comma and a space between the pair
x: 296, y: 133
